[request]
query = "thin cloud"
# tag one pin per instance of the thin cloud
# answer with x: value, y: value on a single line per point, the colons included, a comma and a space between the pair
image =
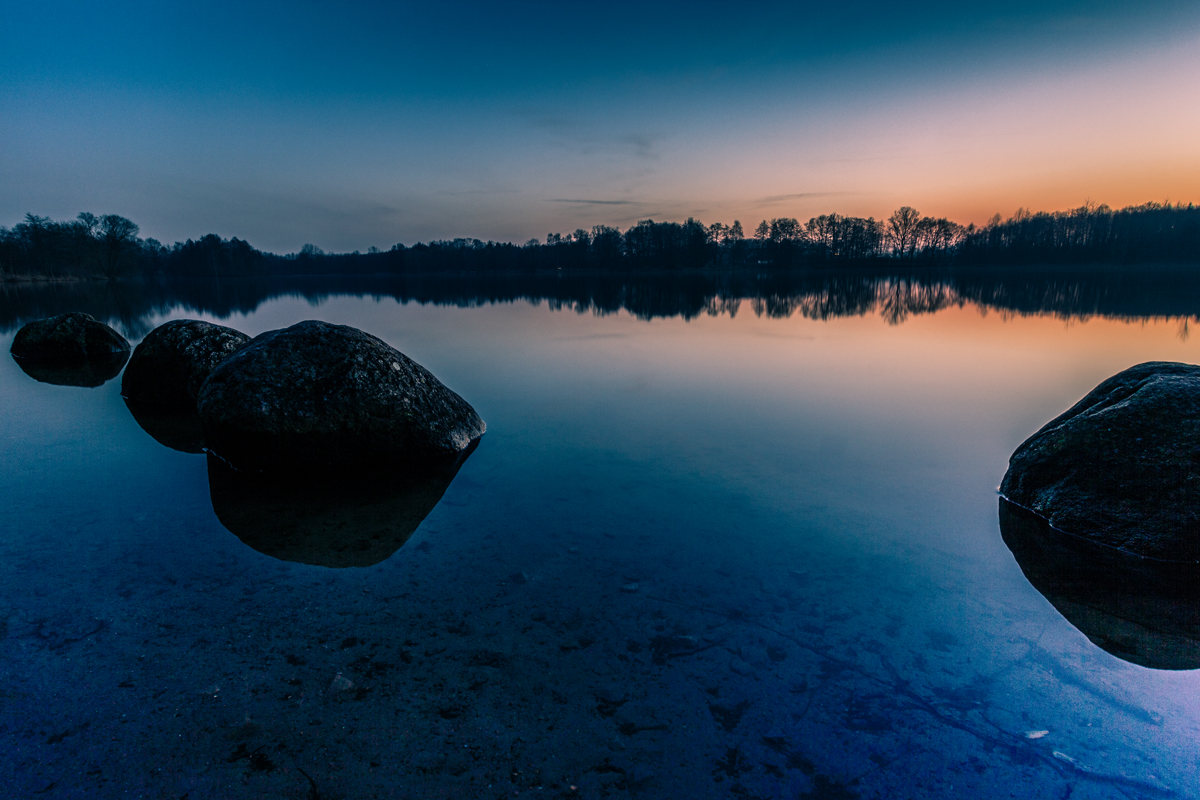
x: 578, y: 133
x: 598, y: 202
x: 859, y: 160
x: 642, y: 144
x: 780, y: 198
x: 550, y: 122
x: 483, y: 191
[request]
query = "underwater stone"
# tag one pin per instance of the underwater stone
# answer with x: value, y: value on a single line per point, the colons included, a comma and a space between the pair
x: 169, y: 365
x: 74, y: 338
x: 178, y: 430
x: 320, y: 397
x: 67, y: 373
x: 350, y: 520
x: 1122, y: 466
x: 1138, y: 609
x: 341, y: 684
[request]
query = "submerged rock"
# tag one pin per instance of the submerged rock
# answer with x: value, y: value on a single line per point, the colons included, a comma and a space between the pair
x: 89, y: 373
x: 1122, y: 466
x: 325, y: 397
x: 355, y: 520
x: 70, y: 349
x: 340, y: 684
x: 178, y: 430
x: 1138, y: 609
x: 169, y: 365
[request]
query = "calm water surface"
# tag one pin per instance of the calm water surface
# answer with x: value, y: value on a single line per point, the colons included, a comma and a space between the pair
x: 726, y: 555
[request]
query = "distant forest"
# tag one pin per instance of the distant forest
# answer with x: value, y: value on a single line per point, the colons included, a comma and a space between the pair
x: 108, y: 246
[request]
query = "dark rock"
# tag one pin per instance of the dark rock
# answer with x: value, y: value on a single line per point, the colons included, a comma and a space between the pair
x: 1122, y: 466
x: 165, y: 373
x: 169, y: 365
x: 1138, y: 609
x: 348, y: 521
x: 72, y: 349
x: 325, y: 397
x: 178, y: 430
x: 90, y: 373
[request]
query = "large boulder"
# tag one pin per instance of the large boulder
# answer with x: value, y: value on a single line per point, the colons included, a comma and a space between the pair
x: 74, y: 338
x: 1122, y: 466
x: 169, y: 365
x: 320, y: 397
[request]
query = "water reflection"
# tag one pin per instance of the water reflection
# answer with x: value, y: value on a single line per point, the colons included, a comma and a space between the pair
x: 87, y: 374
x: 1139, y: 610
x: 816, y: 294
x: 333, y: 521
x: 720, y: 564
x: 176, y: 430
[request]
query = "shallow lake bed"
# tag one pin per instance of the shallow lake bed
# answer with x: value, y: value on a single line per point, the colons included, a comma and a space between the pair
x: 728, y: 554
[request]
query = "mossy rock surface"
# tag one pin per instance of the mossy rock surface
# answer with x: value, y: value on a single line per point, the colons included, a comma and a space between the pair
x: 318, y: 396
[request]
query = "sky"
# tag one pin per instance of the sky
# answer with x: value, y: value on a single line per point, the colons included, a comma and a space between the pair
x: 370, y: 123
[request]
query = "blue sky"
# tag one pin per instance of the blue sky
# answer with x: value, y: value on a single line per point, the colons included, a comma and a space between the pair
x: 374, y: 123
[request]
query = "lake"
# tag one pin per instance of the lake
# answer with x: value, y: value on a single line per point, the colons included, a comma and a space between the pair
x: 725, y: 536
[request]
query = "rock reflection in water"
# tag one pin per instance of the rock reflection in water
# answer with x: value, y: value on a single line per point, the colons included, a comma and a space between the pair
x: 176, y: 430
x: 348, y: 521
x: 1140, y: 610
x: 88, y: 374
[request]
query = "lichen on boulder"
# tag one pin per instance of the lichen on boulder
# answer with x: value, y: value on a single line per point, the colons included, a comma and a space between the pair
x: 318, y: 396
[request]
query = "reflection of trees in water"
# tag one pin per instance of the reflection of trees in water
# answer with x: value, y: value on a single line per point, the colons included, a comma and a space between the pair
x: 124, y: 305
x: 836, y: 297
x: 812, y: 294
x: 723, y: 305
x: 1142, y: 294
x: 900, y: 298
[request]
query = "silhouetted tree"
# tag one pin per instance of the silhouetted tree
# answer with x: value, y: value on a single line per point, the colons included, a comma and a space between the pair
x: 608, y: 246
x: 118, y: 243
x: 902, y: 227
x: 936, y: 239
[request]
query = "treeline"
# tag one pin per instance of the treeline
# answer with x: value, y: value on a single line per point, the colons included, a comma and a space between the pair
x: 87, y: 246
x: 108, y: 246
x: 1150, y: 233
